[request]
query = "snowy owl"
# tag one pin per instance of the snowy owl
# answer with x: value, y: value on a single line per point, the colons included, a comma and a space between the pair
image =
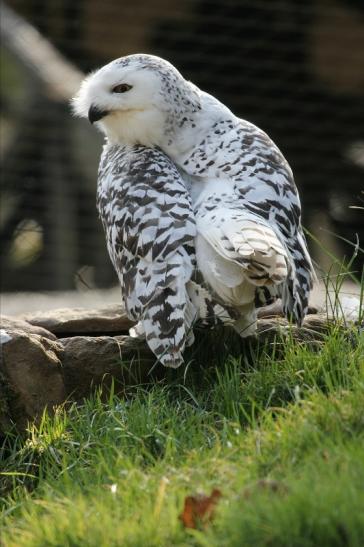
x: 249, y: 242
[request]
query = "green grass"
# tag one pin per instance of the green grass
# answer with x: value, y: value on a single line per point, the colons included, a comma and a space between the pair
x: 296, y: 419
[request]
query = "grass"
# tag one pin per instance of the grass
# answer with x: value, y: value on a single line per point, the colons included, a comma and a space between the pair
x: 282, y: 437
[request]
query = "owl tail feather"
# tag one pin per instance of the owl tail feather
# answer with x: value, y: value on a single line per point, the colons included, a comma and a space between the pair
x: 165, y: 323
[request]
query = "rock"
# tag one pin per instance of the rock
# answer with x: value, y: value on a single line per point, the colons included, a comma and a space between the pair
x: 276, y: 309
x: 91, y: 361
x: 31, y: 376
x: 106, y: 321
x: 275, y: 329
x: 39, y: 371
x: 13, y: 323
x: 77, y: 321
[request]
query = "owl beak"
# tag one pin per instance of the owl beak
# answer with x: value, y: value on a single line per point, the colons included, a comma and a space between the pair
x: 95, y: 114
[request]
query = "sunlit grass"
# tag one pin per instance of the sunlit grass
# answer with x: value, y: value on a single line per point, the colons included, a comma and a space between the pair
x: 92, y: 474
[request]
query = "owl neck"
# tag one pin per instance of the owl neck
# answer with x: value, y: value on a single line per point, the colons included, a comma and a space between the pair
x: 189, y: 129
x: 134, y: 127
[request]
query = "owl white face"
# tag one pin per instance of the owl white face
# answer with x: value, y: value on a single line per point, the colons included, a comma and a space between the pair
x: 126, y: 102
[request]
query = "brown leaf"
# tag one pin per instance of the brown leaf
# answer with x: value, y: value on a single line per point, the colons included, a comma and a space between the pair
x: 199, y: 509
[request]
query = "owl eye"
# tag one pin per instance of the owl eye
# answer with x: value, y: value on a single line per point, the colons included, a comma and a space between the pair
x: 121, y: 88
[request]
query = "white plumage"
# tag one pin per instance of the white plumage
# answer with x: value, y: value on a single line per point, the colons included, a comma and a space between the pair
x: 150, y: 230
x: 249, y: 243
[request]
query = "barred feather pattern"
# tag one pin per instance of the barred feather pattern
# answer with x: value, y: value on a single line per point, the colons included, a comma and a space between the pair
x: 247, y: 207
x: 150, y: 229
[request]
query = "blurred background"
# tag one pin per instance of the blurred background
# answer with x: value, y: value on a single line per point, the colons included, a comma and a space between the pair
x: 294, y: 68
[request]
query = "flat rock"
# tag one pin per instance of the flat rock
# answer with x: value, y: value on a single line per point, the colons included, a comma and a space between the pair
x: 313, y: 329
x: 76, y: 321
x: 38, y: 371
x: 16, y: 324
x: 31, y: 377
x: 91, y: 361
x: 275, y: 309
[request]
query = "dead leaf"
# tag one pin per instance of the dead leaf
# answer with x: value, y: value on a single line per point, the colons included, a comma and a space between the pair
x: 199, y: 509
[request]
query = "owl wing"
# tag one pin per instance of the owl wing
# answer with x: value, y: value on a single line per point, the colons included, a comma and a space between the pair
x: 150, y: 228
x: 250, y: 177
